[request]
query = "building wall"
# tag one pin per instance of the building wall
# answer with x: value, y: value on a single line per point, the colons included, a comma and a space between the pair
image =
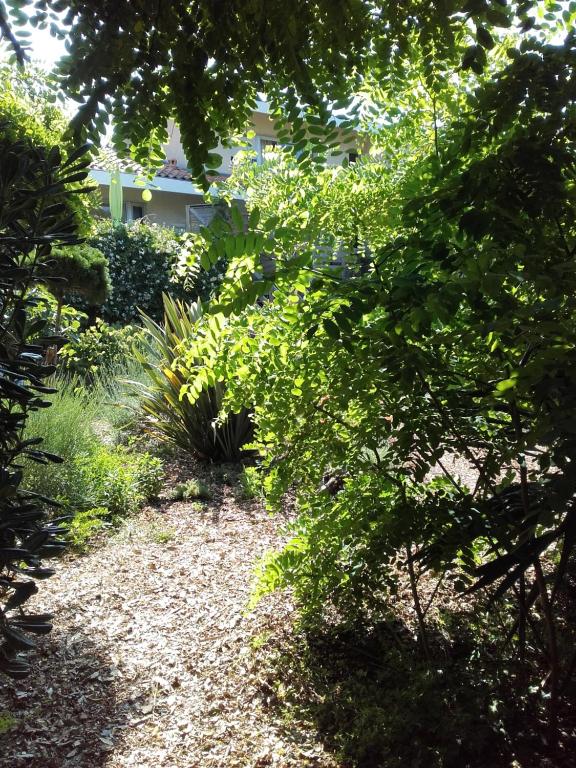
x: 171, y: 207
x: 167, y: 208
x: 262, y: 125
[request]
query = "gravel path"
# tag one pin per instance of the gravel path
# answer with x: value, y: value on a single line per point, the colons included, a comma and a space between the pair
x: 152, y: 661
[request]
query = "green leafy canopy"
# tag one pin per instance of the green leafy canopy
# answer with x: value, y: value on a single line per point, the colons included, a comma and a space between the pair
x: 143, y: 63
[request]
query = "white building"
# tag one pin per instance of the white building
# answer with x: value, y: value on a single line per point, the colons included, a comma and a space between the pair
x: 176, y: 201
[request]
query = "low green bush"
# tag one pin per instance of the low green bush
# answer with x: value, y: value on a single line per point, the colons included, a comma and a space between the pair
x: 98, y: 350
x: 192, y: 489
x: 99, y: 481
x: 85, y: 524
x: 7, y: 722
x: 251, y: 484
x: 67, y: 430
x: 118, y: 479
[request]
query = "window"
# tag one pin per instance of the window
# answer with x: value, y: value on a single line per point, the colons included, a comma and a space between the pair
x: 352, y: 157
x: 199, y: 216
x: 134, y: 211
x: 264, y: 145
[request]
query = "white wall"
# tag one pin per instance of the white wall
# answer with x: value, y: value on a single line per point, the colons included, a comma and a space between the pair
x: 263, y: 127
x: 167, y: 208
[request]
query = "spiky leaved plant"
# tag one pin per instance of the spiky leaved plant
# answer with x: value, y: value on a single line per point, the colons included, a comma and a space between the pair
x: 192, y: 425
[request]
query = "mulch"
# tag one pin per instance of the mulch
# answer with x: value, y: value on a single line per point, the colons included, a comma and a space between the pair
x: 152, y: 661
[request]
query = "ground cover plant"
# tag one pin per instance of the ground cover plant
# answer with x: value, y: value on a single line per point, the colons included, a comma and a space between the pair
x: 99, y: 481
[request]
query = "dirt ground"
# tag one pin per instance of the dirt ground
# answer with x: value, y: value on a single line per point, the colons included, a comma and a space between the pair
x: 152, y: 660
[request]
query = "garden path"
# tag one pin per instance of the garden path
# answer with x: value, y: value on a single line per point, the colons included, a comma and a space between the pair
x: 152, y: 661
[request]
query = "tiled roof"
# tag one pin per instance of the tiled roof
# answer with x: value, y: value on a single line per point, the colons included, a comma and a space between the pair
x: 170, y: 171
x: 107, y: 159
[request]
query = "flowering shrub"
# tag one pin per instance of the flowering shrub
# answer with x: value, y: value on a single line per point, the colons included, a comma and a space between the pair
x: 141, y: 257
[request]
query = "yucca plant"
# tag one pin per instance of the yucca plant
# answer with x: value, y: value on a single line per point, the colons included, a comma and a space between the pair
x: 192, y: 426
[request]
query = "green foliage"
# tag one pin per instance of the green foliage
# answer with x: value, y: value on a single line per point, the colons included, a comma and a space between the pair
x: 67, y: 430
x: 29, y: 104
x: 95, y: 475
x: 192, y: 276
x: 7, y: 722
x: 84, y: 525
x: 45, y: 309
x: 191, y: 489
x: 251, y: 484
x: 117, y: 479
x: 453, y: 335
x: 35, y: 185
x: 29, y: 112
x: 140, y: 257
x: 449, y: 336
x: 190, y: 422
x: 307, y: 57
x: 162, y: 534
x: 98, y: 351
x: 77, y: 271
x: 197, y: 275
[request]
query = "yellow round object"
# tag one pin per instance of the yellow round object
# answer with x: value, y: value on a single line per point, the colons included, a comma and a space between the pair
x: 146, y: 195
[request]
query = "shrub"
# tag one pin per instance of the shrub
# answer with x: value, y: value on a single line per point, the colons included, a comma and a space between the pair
x: 192, y: 489
x: 80, y: 270
x: 7, y: 722
x: 43, y: 313
x: 449, y: 351
x: 192, y: 424
x: 98, y: 350
x: 94, y: 474
x: 140, y: 257
x: 67, y: 430
x: 118, y: 480
x: 34, y: 216
x: 251, y: 484
x: 84, y: 525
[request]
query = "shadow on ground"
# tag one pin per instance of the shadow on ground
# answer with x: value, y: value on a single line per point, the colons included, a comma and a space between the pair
x: 376, y: 702
x: 65, y: 714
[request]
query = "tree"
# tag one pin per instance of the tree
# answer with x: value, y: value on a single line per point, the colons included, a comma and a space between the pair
x: 29, y: 112
x: 140, y: 63
x: 457, y: 340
